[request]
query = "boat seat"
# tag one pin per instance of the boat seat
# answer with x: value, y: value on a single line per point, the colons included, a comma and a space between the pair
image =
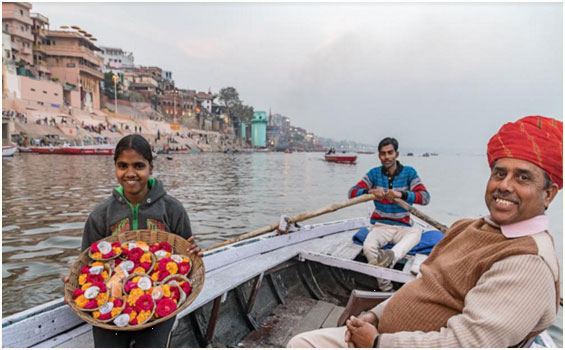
x: 361, y: 300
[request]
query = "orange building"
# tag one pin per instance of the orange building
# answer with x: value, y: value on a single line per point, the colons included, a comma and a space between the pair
x: 72, y: 60
x: 39, y: 29
x: 17, y: 22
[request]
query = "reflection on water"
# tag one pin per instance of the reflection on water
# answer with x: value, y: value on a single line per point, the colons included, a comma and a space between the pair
x: 47, y: 198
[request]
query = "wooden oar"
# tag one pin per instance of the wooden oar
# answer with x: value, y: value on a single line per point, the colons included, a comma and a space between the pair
x: 421, y: 215
x: 298, y: 218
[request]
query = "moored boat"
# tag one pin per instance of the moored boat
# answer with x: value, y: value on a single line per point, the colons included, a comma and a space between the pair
x: 8, y: 151
x: 74, y: 150
x: 340, y: 158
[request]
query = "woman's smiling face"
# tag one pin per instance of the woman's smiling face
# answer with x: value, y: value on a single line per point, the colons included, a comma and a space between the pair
x: 132, y: 172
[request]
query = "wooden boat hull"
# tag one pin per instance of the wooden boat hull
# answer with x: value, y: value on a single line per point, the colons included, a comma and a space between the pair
x: 340, y: 159
x: 246, y: 284
x: 9, y: 151
x: 74, y: 150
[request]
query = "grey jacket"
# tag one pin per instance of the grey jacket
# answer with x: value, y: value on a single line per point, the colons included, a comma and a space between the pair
x: 158, y: 211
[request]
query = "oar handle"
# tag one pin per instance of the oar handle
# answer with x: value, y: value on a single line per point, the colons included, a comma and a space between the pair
x: 421, y: 215
x: 298, y: 218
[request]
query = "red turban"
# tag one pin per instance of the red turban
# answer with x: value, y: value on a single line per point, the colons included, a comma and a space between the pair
x: 537, y: 139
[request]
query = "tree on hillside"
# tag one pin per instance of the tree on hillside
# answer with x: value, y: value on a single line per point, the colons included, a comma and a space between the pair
x: 243, y: 112
x: 230, y: 97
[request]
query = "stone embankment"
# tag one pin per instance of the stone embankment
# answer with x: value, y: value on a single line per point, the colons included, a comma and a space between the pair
x: 52, y: 126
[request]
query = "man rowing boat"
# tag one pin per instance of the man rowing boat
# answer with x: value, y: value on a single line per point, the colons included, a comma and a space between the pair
x: 491, y: 282
x: 391, y: 223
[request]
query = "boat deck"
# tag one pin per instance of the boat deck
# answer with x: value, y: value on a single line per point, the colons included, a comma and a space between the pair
x: 298, y: 315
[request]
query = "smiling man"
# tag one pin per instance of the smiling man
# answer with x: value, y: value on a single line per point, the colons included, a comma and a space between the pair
x: 391, y: 223
x: 491, y: 282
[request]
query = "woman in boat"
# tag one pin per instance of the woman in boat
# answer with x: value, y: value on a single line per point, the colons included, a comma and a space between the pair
x: 140, y: 202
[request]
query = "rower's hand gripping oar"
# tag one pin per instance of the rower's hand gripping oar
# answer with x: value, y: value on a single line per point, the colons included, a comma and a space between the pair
x: 329, y: 209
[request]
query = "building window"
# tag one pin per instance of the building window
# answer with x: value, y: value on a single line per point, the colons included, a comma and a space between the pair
x: 32, y: 89
x: 44, y: 91
x: 6, y: 26
x: 21, y: 12
x: 56, y: 94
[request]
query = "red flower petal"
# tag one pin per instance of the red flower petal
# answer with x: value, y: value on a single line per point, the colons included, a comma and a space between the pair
x: 165, y: 306
x: 184, y: 268
x: 118, y: 302
x: 116, y: 244
x: 186, y: 287
x: 145, y: 302
x: 175, y: 293
x: 154, y: 248
x: 129, y: 286
x: 94, y: 247
x: 145, y: 265
x: 165, y: 246
x: 85, y: 269
x: 92, y: 304
x: 94, y: 278
x: 163, y: 263
x: 105, y: 316
x: 162, y: 275
x: 77, y: 293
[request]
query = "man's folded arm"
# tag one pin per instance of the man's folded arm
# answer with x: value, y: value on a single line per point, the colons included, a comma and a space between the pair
x: 513, y: 298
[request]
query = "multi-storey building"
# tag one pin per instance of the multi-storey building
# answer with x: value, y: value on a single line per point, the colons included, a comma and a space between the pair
x: 72, y: 60
x: 178, y: 103
x: 205, y: 100
x: 116, y: 58
x: 17, y: 22
x: 39, y: 30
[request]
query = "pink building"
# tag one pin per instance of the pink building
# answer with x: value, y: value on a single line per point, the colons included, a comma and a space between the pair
x: 72, y: 60
x: 39, y: 30
x: 41, y: 92
x: 17, y: 22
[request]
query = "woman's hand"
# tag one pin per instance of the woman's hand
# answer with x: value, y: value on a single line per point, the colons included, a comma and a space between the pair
x: 65, y: 280
x: 362, y: 334
x: 193, y: 248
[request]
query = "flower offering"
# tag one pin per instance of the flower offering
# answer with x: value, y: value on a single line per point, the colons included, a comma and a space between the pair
x: 91, y: 296
x: 104, y: 250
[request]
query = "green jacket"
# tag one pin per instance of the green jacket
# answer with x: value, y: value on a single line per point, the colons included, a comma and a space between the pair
x: 158, y: 211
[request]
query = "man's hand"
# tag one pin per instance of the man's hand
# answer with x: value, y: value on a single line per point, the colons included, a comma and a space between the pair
x: 378, y: 192
x: 193, y: 248
x: 368, y: 317
x: 362, y: 334
x: 392, y: 194
x: 65, y: 280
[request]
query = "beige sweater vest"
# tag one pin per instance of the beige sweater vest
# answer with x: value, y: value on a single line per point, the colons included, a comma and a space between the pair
x: 455, y: 265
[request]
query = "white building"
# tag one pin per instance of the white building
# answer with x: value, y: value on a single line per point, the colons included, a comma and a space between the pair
x: 116, y: 58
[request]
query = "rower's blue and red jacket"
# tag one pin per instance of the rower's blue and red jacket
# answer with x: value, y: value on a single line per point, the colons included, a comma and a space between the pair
x: 404, y: 180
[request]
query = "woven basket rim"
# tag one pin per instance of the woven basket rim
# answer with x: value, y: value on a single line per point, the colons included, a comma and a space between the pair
x: 179, y: 244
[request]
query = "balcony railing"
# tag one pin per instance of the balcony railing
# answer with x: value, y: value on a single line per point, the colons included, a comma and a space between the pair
x: 15, y: 30
x: 16, y: 16
x: 76, y: 51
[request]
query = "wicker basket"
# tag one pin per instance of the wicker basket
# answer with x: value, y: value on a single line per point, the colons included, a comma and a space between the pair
x: 180, y: 246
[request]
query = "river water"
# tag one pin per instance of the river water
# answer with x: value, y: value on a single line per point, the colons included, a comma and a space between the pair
x: 47, y: 198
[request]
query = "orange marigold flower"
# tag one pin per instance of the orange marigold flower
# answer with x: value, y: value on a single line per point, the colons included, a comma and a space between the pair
x: 145, y: 258
x: 101, y: 298
x: 117, y: 250
x: 97, y: 255
x: 155, y: 276
x: 143, y: 316
x: 172, y: 267
x: 136, y: 279
x: 82, y: 279
x: 134, y: 295
x: 104, y: 275
x: 98, y: 263
x: 139, y: 269
x: 96, y: 314
x: 116, y: 311
x: 166, y: 291
x: 132, y: 315
x: 86, y: 286
x: 81, y: 301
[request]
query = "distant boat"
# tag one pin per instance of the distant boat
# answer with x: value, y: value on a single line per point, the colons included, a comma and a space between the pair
x: 75, y: 150
x: 8, y: 151
x: 340, y: 158
x: 409, y: 154
x: 426, y: 154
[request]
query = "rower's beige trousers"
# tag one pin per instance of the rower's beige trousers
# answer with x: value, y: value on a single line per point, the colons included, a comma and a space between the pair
x: 320, y: 338
x: 404, y: 239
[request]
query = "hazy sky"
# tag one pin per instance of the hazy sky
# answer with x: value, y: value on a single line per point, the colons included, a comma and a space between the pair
x: 444, y: 75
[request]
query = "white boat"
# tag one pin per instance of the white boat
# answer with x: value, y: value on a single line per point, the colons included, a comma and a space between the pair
x: 9, y: 151
x: 258, y: 293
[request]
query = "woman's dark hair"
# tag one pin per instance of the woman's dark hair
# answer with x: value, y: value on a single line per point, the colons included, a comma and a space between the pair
x: 137, y: 143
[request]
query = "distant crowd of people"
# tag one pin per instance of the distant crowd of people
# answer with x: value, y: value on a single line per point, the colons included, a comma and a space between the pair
x: 22, y: 117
